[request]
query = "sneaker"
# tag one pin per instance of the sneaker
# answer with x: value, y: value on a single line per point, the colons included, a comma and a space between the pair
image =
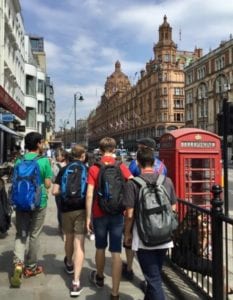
x: 75, y: 290
x: 96, y: 279
x: 68, y: 269
x: 129, y: 275
x: 16, y: 280
x: 30, y: 272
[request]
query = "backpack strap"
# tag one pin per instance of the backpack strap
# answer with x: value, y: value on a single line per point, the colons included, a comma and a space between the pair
x: 139, y: 180
x: 37, y: 157
x: 101, y: 164
x: 160, y: 179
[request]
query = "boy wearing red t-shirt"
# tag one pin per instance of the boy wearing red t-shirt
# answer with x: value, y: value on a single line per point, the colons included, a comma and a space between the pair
x: 105, y: 225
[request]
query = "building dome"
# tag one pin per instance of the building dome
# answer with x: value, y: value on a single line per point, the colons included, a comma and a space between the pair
x: 116, y: 82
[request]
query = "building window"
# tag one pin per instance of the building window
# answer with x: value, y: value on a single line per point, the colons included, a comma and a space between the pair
x: 189, y: 97
x: 189, y: 114
x: 219, y: 63
x: 189, y: 78
x: 201, y: 72
x: 220, y: 85
x: 40, y: 88
x: 31, y: 117
x: 202, y: 91
x: 30, y: 85
x: 160, y: 130
x: 164, y: 103
x: 164, y: 117
x: 165, y: 91
x: 40, y: 107
x: 179, y: 117
x: 178, y: 103
x: 166, y: 57
x: 37, y: 44
x: 178, y: 91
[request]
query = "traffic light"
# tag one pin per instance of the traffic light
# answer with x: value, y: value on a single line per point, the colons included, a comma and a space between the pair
x: 230, y: 117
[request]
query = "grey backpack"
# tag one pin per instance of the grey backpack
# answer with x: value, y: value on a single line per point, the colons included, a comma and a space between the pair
x: 155, y: 219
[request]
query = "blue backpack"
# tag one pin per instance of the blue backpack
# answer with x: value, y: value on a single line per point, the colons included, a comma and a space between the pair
x: 26, y: 185
x: 74, y: 184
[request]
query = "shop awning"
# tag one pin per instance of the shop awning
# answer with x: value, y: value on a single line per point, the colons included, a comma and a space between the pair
x: 8, y: 130
x: 8, y: 103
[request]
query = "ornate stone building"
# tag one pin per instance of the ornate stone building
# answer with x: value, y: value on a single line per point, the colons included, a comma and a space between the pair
x: 151, y: 107
x: 207, y: 81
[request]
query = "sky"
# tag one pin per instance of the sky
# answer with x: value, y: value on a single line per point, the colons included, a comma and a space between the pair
x: 84, y: 38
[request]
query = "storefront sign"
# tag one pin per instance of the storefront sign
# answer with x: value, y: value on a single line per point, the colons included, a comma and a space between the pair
x: 8, y: 103
x: 7, y: 118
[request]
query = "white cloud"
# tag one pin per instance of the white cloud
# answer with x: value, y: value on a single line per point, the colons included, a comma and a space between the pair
x: 83, y: 39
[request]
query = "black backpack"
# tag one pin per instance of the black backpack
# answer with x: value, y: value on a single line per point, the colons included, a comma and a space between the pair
x: 5, y: 209
x: 155, y: 219
x: 110, y: 188
x: 74, y: 184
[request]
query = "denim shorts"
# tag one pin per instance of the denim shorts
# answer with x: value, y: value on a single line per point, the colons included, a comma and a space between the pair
x: 111, y: 226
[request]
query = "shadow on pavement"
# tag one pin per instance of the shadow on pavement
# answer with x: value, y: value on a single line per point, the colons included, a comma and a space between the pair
x: 6, y: 261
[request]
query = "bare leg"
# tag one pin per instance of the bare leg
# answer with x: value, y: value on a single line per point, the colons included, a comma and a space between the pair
x: 116, y: 272
x: 69, y: 247
x: 100, y: 261
x: 129, y: 258
x: 78, y: 256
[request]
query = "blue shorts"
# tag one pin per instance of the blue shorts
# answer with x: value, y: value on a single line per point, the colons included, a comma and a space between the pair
x: 112, y: 225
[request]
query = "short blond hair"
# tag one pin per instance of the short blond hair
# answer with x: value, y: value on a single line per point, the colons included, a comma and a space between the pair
x: 77, y: 151
x: 107, y: 144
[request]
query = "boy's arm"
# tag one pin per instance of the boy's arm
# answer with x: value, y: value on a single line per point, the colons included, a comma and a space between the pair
x: 56, y: 189
x: 129, y: 219
x: 89, y: 202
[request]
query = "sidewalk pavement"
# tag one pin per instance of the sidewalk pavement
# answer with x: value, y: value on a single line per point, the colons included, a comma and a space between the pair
x: 55, y: 283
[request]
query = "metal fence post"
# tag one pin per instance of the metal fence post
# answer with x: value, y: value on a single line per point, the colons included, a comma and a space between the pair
x: 217, y: 243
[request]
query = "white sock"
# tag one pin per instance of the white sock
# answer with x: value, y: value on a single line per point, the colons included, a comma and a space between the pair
x: 76, y: 282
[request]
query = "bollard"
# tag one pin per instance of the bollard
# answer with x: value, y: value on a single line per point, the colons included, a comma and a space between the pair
x: 217, y: 243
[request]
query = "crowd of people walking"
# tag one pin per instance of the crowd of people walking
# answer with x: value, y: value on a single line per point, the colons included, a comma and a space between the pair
x: 99, y: 198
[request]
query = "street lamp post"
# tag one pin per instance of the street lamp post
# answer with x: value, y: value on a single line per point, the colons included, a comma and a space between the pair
x: 77, y: 96
x: 64, y: 123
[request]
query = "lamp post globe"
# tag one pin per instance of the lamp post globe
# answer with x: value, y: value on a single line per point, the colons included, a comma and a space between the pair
x: 77, y: 96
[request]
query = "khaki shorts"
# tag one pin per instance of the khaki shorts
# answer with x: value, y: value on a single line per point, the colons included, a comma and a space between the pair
x: 74, y: 221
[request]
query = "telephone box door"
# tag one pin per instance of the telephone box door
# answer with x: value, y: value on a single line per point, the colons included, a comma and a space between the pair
x: 199, y: 175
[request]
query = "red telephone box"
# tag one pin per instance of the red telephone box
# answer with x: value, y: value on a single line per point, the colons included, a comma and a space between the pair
x: 193, y: 159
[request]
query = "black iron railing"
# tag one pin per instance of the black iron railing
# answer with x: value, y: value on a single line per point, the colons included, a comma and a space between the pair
x: 203, y: 249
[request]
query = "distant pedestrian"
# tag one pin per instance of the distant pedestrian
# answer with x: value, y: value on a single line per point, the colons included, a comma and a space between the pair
x: 150, y: 258
x: 70, y: 184
x: 159, y: 166
x: 29, y: 222
x: 62, y: 158
x: 107, y: 227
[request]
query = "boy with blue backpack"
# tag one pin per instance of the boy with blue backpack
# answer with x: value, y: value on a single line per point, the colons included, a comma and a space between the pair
x: 70, y: 184
x: 31, y: 181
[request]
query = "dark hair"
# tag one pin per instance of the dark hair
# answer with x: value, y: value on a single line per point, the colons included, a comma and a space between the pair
x: 32, y: 139
x: 17, y: 148
x: 62, y: 152
x: 145, y: 157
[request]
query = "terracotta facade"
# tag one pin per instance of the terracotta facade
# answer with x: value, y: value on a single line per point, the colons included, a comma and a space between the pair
x: 151, y: 107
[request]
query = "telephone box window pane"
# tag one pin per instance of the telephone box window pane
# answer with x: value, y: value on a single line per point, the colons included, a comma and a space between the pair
x: 199, y: 176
